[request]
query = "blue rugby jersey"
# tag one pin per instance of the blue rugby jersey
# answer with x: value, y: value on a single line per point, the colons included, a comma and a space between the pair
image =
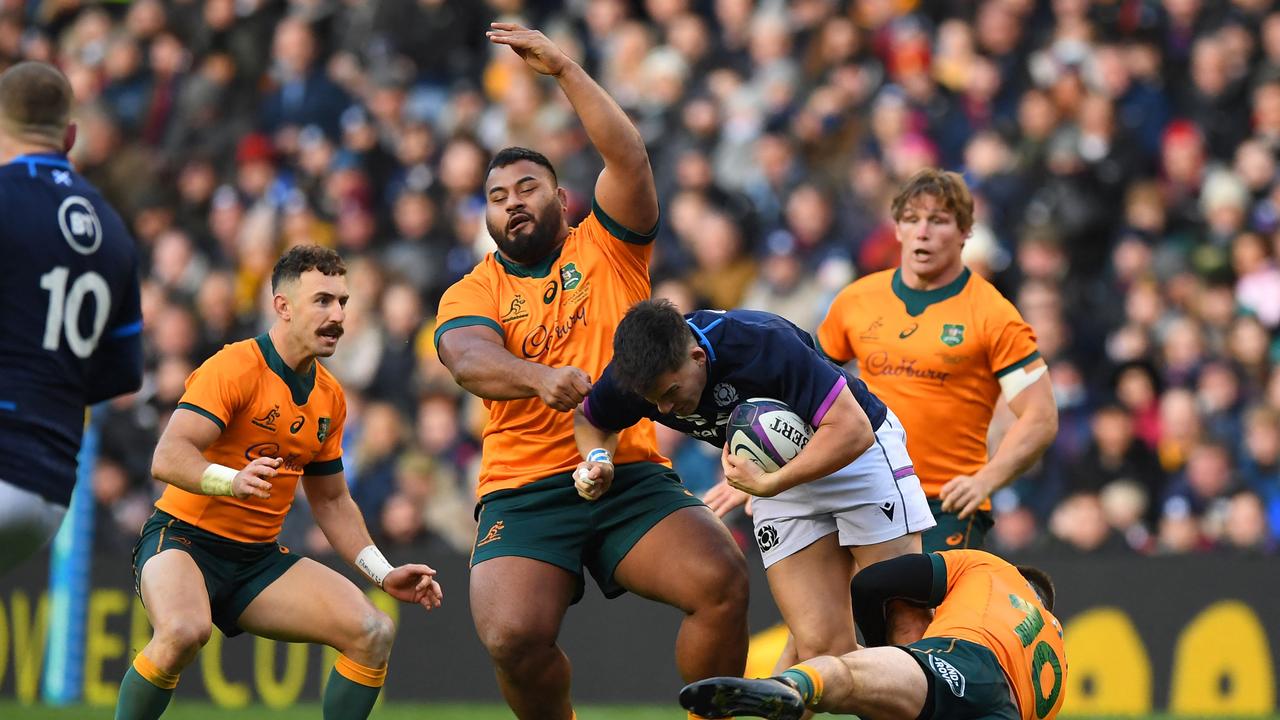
x: 70, y: 318
x: 750, y: 354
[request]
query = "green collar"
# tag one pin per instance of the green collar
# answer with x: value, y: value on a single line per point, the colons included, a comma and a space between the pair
x: 537, y: 270
x: 299, y: 386
x: 917, y: 301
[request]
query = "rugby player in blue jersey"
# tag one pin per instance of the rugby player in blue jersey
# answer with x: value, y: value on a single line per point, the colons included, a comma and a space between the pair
x: 850, y: 498
x: 70, y: 312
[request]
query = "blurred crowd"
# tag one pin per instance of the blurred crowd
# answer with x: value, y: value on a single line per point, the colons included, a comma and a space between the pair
x: 1122, y: 154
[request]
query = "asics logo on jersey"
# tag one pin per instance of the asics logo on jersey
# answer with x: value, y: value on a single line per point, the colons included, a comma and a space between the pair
x: 909, y: 331
x: 297, y: 424
x: 267, y: 421
x: 538, y: 341
x: 495, y: 533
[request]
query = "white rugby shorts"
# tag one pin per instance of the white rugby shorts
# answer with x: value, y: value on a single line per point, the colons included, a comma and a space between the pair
x: 874, y: 499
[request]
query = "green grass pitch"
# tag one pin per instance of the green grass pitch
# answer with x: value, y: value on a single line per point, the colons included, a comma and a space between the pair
x: 393, y: 711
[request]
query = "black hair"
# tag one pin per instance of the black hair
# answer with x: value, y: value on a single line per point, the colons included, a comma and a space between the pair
x: 652, y: 339
x: 301, y: 258
x: 1041, y: 581
x: 511, y: 155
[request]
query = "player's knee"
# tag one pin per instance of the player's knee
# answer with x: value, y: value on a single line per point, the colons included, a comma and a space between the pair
x: 728, y: 590
x: 509, y: 645
x: 376, y: 634
x: 184, y: 635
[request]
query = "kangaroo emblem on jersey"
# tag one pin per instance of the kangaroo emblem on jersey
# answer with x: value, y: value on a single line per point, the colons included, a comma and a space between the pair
x: 495, y: 533
x: 268, y: 419
x: 952, y: 335
x: 516, y: 311
x: 322, y: 431
x: 569, y: 276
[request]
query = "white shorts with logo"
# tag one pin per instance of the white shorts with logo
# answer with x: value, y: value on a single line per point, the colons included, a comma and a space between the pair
x: 875, y: 499
x: 27, y: 523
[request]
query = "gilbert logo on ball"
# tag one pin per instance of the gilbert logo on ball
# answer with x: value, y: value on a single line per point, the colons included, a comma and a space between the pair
x: 767, y: 432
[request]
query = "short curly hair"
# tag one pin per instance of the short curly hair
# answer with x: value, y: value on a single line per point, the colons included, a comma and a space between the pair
x: 948, y: 187
x: 301, y: 258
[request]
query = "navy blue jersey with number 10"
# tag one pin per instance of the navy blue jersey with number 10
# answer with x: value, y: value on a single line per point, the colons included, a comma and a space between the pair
x: 70, y: 318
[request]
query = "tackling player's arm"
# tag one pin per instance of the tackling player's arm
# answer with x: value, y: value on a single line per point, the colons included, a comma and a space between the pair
x: 625, y: 189
x: 179, y: 461
x: 842, y: 435
x: 913, y: 579
x: 339, y: 518
x: 483, y: 366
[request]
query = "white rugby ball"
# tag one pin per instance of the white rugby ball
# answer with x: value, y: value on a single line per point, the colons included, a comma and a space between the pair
x: 767, y: 432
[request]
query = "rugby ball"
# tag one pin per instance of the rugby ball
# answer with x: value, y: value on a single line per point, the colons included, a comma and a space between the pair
x: 766, y: 432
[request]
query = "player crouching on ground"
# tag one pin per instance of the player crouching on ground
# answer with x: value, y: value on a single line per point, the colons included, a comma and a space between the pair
x: 994, y: 651
x: 209, y: 556
x: 849, y: 495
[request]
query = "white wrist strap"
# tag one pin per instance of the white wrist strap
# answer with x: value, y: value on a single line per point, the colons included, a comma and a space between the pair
x: 600, y: 455
x: 217, y: 480
x: 373, y: 564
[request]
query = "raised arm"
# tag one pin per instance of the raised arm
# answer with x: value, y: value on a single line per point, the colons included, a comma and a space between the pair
x: 625, y: 189
x: 483, y: 366
x: 179, y: 461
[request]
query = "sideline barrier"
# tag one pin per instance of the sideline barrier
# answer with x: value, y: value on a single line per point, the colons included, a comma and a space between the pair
x: 1186, y: 635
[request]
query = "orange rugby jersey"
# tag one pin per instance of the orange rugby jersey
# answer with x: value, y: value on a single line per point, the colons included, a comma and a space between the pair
x: 264, y: 409
x: 561, y: 312
x: 989, y: 602
x: 935, y: 358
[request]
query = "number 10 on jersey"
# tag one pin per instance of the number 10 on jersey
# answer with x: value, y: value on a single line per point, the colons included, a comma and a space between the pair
x: 64, y: 310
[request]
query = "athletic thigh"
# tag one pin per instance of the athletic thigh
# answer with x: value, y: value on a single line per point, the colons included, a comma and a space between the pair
x: 519, y: 601
x: 687, y: 560
x: 811, y: 589
x: 173, y: 591
x: 308, y: 603
x: 888, y: 684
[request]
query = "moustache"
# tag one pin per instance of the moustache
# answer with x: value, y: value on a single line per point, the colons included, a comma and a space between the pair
x: 335, y: 331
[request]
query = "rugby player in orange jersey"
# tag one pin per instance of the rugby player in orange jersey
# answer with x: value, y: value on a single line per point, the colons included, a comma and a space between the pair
x: 940, y: 346
x: 994, y: 651
x: 527, y: 330
x: 256, y: 419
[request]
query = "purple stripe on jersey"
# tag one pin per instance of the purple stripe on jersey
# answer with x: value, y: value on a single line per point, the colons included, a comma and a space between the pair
x: 586, y: 410
x: 829, y: 401
x: 902, y: 472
